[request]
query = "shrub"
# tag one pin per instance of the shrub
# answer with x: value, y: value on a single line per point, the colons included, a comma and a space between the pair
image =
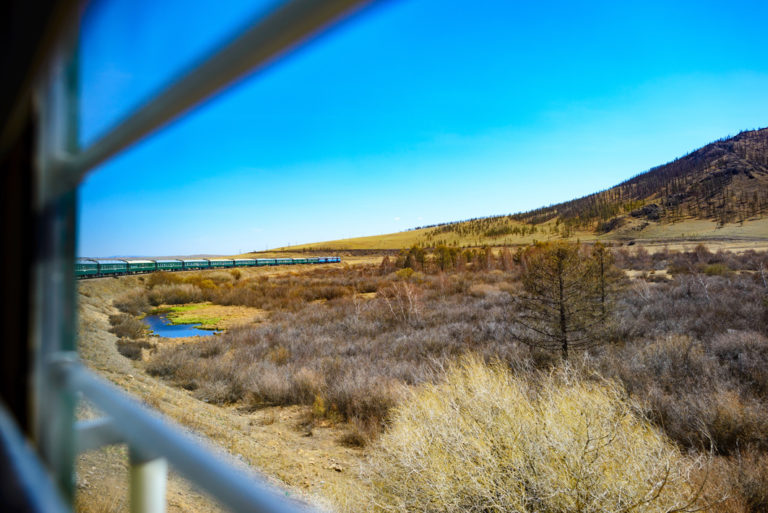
x: 175, y: 294
x: 484, y: 440
x: 717, y: 270
x: 132, y: 348
x: 133, y: 302
x: 700, y: 394
x: 162, y: 278
x: 743, y: 481
x: 127, y: 326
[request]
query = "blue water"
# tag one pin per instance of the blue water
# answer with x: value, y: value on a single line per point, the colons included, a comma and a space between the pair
x: 162, y: 327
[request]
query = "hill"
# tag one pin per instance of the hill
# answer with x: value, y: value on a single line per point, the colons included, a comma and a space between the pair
x: 717, y: 191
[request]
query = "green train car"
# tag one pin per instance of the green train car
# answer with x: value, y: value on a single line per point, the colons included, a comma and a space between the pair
x: 196, y: 264
x: 170, y: 265
x: 93, y: 268
x: 86, y: 268
x: 112, y: 267
x: 141, y: 266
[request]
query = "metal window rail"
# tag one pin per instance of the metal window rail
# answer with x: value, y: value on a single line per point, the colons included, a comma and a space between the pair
x: 58, y: 379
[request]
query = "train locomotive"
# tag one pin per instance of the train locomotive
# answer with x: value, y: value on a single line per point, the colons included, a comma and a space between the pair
x: 93, y: 268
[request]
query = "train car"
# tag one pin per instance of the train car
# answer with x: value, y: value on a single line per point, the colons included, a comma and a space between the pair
x: 169, y: 265
x: 195, y: 264
x: 85, y: 267
x: 141, y: 266
x: 112, y: 267
x: 222, y: 263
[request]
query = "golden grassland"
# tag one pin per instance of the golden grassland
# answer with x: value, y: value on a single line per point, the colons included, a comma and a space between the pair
x: 641, y: 231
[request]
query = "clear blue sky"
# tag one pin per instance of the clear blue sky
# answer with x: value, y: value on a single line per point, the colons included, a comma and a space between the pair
x: 416, y: 112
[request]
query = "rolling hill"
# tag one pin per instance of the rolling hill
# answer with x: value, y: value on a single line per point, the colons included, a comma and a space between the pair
x: 717, y: 191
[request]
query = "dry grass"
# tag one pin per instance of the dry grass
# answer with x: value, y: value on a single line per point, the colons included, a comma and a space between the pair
x: 689, y: 229
x: 486, y: 440
x: 348, y: 344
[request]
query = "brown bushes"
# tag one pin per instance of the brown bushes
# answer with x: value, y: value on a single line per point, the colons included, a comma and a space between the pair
x: 692, y: 349
x: 701, y: 393
x: 133, y: 302
x: 742, y: 479
x: 126, y: 326
x: 175, y: 294
x: 132, y: 348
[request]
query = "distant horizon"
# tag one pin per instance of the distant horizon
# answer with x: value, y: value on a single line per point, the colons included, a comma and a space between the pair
x: 412, y: 114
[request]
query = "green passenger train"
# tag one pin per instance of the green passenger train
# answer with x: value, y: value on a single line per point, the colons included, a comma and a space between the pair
x: 97, y: 268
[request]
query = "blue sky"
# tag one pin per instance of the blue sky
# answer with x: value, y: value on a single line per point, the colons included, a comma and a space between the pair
x: 416, y: 112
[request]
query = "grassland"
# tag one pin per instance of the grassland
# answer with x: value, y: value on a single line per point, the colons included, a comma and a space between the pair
x: 210, y: 316
x: 690, y: 230
x: 305, y: 389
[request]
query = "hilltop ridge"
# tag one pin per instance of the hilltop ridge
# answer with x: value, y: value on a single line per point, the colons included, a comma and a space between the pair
x: 718, y: 190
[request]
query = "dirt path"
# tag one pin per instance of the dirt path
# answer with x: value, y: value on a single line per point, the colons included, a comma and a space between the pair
x: 305, y: 462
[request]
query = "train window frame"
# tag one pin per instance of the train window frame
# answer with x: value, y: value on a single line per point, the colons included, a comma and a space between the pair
x: 58, y: 379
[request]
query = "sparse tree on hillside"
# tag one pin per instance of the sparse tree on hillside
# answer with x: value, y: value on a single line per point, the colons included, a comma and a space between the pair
x: 609, y: 277
x: 566, y: 296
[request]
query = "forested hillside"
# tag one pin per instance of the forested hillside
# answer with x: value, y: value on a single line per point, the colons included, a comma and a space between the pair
x: 725, y: 181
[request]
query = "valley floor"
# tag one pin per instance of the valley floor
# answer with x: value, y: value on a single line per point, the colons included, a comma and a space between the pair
x: 303, y: 460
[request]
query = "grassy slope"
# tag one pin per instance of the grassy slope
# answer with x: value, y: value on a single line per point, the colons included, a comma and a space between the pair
x: 692, y: 229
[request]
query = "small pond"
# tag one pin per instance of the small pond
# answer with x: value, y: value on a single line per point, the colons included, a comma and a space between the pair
x: 162, y: 327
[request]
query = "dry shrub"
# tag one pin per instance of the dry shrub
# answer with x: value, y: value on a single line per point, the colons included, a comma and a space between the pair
x: 482, y: 290
x: 485, y: 440
x: 133, y: 302
x: 162, y: 278
x: 359, y: 395
x: 126, y: 326
x: 745, y: 356
x: 403, y: 299
x: 176, y: 294
x: 702, y: 394
x: 742, y: 480
x: 132, y: 348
